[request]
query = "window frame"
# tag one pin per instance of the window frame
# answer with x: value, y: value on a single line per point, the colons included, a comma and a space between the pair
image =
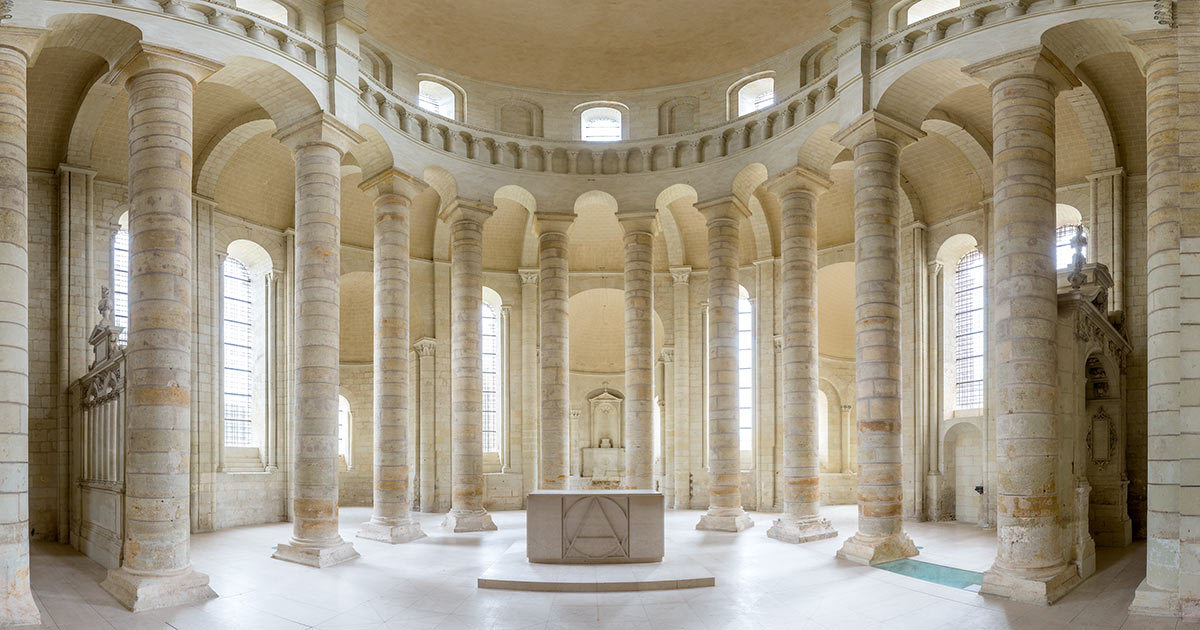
x: 229, y: 283
x: 969, y: 354
x: 756, y: 103
x: 616, y: 133
x: 747, y: 413
x: 120, y: 307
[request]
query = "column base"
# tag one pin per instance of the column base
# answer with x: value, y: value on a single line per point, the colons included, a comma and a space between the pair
x: 406, y: 530
x: 461, y: 521
x: 19, y: 610
x: 1044, y: 588
x: 319, y: 556
x: 725, y: 520
x: 1148, y: 600
x: 139, y: 592
x: 793, y: 530
x: 871, y: 550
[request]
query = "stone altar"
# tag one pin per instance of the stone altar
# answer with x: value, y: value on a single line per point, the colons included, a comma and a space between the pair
x: 594, y: 527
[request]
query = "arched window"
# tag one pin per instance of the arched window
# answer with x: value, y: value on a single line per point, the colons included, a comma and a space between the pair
x: 756, y: 95
x: 1065, y: 245
x: 600, y: 124
x: 345, y: 433
x: 745, y: 363
x: 266, y: 8
x: 928, y: 8
x: 968, y: 331
x: 490, y: 349
x: 120, y: 283
x: 237, y: 334
x: 437, y: 98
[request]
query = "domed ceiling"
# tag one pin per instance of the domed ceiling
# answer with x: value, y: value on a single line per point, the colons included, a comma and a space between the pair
x: 597, y: 45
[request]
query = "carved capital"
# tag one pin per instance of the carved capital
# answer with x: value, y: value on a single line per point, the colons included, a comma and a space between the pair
x: 680, y: 274
x: 528, y: 276
x: 425, y: 346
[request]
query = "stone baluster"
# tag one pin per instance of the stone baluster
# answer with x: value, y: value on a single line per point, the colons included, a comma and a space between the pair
x: 876, y: 141
x: 156, y: 567
x: 17, y: 45
x: 317, y: 144
x: 639, y: 349
x: 725, y: 511
x: 555, y: 357
x: 391, y: 513
x: 797, y: 191
x: 466, y: 366
x: 1030, y: 563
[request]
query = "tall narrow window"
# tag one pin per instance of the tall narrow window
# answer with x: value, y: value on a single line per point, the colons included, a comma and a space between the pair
x: 600, y: 124
x: 745, y: 339
x: 756, y: 95
x: 437, y: 98
x: 237, y: 336
x: 344, y: 433
x: 491, y: 378
x: 968, y: 331
x: 120, y: 288
x: 822, y: 428
x: 1064, y: 245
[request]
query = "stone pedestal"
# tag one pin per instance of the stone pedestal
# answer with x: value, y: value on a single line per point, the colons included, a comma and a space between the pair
x: 319, y: 555
x: 594, y: 527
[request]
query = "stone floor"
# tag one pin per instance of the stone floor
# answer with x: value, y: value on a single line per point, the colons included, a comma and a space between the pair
x: 761, y: 584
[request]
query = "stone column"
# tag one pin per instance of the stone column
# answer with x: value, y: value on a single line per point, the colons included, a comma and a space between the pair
x: 425, y: 348
x: 391, y: 513
x: 797, y: 191
x: 668, y: 413
x: 156, y: 569
x: 877, y: 141
x: 725, y: 511
x: 318, y: 144
x: 16, y: 47
x: 681, y: 307
x: 529, y: 380
x: 554, y: 362
x: 1030, y: 564
x: 1159, y: 592
x: 639, y: 349
x: 466, y: 366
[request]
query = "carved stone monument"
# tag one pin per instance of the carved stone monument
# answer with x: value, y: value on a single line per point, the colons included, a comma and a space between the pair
x: 594, y: 527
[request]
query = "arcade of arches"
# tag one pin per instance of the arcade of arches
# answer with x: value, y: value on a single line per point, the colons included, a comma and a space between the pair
x: 302, y: 298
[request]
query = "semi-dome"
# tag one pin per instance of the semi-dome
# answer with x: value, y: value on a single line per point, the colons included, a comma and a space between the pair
x: 594, y: 46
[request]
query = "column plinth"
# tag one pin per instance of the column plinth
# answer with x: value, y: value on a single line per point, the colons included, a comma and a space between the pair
x: 876, y: 141
x: 17, y: 606
x: 156, y: 568
x: 638, y: 441
x: 725, y: 511
x: 391, y: 513
x: 467, y: 513
x: 318, y: 144
x: 801, y: 521
x: 1030, y: 564
x: 554, y: 469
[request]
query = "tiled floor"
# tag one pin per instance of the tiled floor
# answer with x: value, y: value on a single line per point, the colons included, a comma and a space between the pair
x: 761, y: 584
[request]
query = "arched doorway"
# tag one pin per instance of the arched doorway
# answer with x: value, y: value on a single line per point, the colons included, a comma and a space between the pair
x: 963, y: 471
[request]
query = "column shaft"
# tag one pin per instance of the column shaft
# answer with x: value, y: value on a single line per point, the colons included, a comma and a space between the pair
x: 466, y: 367
x: 391, y: 518
x: 315, y: 539
x: 681, y: 304
x: 17, y: 606
x: 554, y: 469
x: 1159, y: 592
x: 725, y: 511
x: 1029, y: 553
x: 158, y: 358
x: 639, y: 355
x: 801, y: 490
x: 880, y: 536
